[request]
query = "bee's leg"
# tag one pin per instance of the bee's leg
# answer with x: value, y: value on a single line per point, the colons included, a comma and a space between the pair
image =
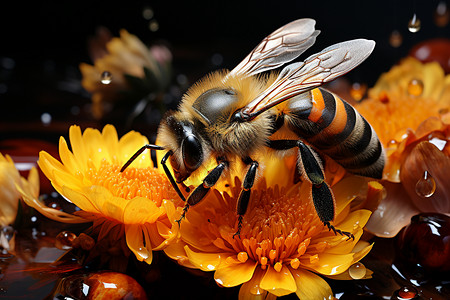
x: 322, y: 196
x: 244, y: 196
x: 200, y: 191
x: 139, y: 152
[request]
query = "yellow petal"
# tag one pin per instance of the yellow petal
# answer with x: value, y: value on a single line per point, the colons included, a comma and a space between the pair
x: 355, y: 219
x: 310, y: 286
x: 140, y: 210
x: 279, y: 283
x: 79, y: 199
x: 235, y: 274
x: 251, y: 290
x: 78, y: 147
x: 176, y: 252
x: 329, y: 264
x: 135, y: 241
x: 203, y: 261
x: 346, y: 190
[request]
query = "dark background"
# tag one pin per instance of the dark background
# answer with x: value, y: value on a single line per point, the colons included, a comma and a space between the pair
x: 42, y: 44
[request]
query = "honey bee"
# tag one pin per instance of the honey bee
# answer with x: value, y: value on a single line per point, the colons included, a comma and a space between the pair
x: 241, y: 115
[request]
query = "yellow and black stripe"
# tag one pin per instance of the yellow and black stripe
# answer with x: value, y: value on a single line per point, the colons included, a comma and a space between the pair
x: 336, y: 129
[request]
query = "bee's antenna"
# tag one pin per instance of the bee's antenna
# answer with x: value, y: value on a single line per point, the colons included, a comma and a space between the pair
x: 143, y: 148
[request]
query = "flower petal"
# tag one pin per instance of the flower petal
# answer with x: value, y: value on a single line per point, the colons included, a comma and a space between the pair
x: 135, y: 241
x: 393, y: 213
x: 203, y: 261
x: 251, y: 290
x: 278, y: 283
x: 235, y: 274
x: 427, y: 157
x: 310, y: 286
x: 329, y: 264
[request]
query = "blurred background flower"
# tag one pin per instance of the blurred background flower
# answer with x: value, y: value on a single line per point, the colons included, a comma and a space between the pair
x: 129, y: 210
x: 409, y: 109
x: 126, y: 75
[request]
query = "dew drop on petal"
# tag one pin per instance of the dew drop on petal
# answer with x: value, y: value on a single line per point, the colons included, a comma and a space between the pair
x: 426, y: 186
x: 414, y: 24
x: 357, y: 271
x: 64, y: 240
x: 395, y: 39
x: 106, y: 77
x: 415, y: 87
x: 405, y: 293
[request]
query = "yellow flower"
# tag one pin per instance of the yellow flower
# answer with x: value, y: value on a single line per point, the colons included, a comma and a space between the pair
x: 125, y: 62
x: 404, y: 97
x: 283, y: 247
x: 134, y: 205
x: 10, y: 179
x: 409, y: 110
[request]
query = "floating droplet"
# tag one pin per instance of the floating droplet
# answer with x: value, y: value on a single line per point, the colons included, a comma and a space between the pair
x: 415, y: 87
x: 46, y: 118
x: 441, y: 14
x: 426, y: 186
x: 64, y: 240
x: 357, y: 271
x: 391, y: 143
x: 395, y: 39
x: 358, y: 90
x: 106, y: 77
x: 8, y: 232
x: 147, y: 13
x: 153, y: 25
x: 414, y: 24
x: 405, y: 293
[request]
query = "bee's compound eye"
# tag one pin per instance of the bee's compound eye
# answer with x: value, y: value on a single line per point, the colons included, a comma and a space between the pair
x: 192, y: 152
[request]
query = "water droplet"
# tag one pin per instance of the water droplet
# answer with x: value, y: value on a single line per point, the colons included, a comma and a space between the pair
x: 405, y: 293
x: 147, y: 13
x: 46, y: 118
x: 8, y: 232
x: 357, y: 271
x: 395, y: 39
x: 217, y: 59
x: 153, y: 25
x: 415, y: 87
x: 391, y: 143
x: 64, y: 240
x: 441, y: 14
x: 106, y: 77
x: 358, y: 90
x: 426, y: 186
x: 414, y: 24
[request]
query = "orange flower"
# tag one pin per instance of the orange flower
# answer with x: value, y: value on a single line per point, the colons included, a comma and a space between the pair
x: 404, y: 97
x: 132, y: 206
x: 283, y: 247
x: 408, y: 108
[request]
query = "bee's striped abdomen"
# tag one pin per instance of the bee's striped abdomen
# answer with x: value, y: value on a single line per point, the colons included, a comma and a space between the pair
x: 335, y: 128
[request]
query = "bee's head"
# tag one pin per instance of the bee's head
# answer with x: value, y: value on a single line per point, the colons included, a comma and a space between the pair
x: 183, y: 139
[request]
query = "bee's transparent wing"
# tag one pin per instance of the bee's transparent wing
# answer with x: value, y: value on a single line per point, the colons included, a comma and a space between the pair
x: 280, y: 47
x: 319, y: 68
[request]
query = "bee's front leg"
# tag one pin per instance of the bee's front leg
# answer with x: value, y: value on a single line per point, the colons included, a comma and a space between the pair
x: 200, y: 191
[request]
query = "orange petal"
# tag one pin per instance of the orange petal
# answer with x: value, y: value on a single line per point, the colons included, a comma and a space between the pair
x: 394, y: 212
x: 427, y: 157
x: 346, y: 190
x: 278, y: 283
x: 235, y: 274
x: 135, y: 241
x: 140, y: 210
x: 311, y: 286
x: 329, y: 264
x: 251, y: 290
x: 203, y: 261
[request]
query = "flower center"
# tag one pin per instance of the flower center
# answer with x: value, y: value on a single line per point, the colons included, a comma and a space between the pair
x: 277, y: 228
x: 133, y: 182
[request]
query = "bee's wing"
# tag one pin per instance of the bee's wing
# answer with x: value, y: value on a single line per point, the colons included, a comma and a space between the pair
x: 319, y: 68
x: 280, y: 47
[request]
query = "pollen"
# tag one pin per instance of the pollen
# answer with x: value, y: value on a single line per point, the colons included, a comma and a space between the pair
x: 133, y: 182
x: 277, y: 230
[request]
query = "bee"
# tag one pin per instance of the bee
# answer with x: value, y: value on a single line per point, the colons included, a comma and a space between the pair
x: 241, y: 115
